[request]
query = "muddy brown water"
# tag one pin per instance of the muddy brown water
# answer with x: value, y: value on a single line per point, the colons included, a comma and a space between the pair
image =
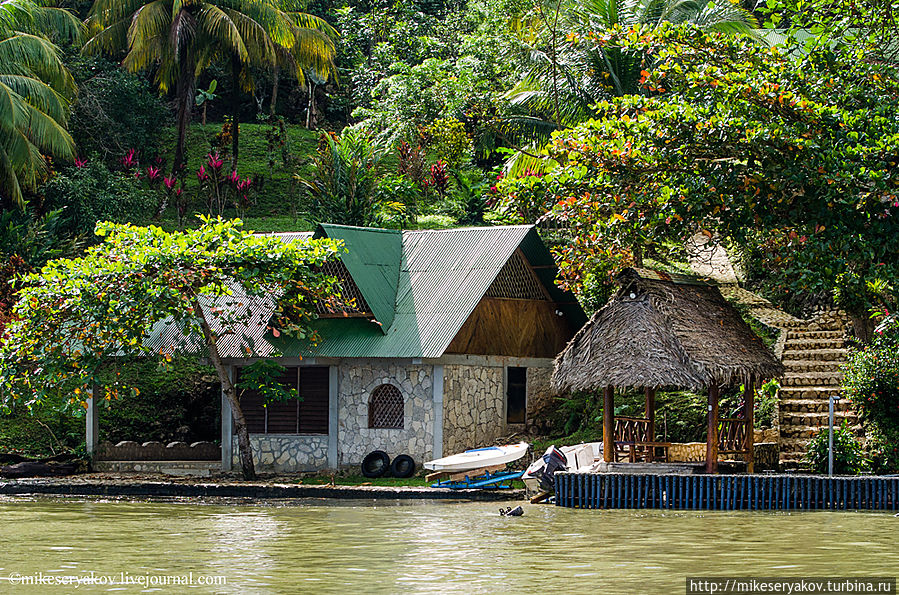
x: 432, y: 547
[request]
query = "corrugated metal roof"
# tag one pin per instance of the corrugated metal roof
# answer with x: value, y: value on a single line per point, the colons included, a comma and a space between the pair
x: 441, y: 275
x: 373, y: 260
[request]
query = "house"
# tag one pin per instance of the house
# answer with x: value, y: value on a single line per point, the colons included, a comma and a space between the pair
x: 669, y: 331
x: 447, y: 344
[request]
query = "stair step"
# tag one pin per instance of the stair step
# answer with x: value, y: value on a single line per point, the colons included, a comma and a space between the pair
x: 814, y: 418
x: 809, y: 392
x: 810, y: 431
x: 813, y: 379
x: 805, y: 344
x: 799, y: 366
x: 812, y: 406
x: 807, y: 334
x: 831, y: 354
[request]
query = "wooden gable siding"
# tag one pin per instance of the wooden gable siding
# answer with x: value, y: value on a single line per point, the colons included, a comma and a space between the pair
x: 513, y: 328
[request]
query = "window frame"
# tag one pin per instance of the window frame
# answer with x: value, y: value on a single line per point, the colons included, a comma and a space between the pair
x: 384, y: 387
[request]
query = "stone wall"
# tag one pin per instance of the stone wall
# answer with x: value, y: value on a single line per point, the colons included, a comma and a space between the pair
x: 540, y: 393
x: 473, y: 407
x: 357, y: 381
x: 285, y: 453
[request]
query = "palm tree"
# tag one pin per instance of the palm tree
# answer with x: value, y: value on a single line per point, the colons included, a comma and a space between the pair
x: 296, y: 42
x: 35, y: 91
x: 178, y: 39
x: 563, y: 81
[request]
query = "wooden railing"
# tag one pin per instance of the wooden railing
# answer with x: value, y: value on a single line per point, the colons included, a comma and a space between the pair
x: 632, y: 429
x: 635, y: 441
x: 732, y: 436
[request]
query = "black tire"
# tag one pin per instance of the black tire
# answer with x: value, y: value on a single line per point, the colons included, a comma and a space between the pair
x: 403, y: 466
x: 375, y: 464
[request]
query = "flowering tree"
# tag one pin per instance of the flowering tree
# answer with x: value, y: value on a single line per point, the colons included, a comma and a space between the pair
x: 76, y: 314
x: 747, y: 141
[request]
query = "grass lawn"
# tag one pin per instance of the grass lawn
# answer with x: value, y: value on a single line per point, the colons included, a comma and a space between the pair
x: 278, y: 205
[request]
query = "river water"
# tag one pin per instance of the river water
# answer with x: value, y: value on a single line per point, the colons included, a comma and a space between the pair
x: 445, y: 547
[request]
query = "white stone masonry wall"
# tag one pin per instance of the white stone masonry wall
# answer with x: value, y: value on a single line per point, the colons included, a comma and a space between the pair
x: 357, y: 381
x: 473, y: 407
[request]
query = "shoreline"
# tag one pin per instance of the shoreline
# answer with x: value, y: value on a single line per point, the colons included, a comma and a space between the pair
x: 164, y: 487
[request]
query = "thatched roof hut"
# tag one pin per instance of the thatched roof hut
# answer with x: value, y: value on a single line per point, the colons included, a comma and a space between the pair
x: 664, y: 331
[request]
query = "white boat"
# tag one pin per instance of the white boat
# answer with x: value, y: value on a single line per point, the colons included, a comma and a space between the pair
x: 479, y: 458
x: 579, y: 458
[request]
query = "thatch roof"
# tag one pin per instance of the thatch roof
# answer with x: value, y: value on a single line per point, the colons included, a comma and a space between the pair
x: 664, y: 331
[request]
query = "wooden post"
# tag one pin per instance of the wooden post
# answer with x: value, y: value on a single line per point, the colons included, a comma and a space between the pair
x: 92, y: 421
x: 749, y: 416
x: 608, y: 424
x: 650, y: 407
x: 711, y: 450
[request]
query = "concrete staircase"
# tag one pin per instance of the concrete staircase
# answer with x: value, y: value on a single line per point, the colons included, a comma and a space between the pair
x: 813, y: 352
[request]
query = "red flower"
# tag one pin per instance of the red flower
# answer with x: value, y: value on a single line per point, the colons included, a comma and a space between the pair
x: 79, y: 163
x: 214, y: 161
x: 153, y: 173
x: 130, y: 159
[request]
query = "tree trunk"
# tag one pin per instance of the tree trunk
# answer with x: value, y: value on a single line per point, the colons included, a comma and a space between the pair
x: 311, y: 105
x: 862, y: 326
x: 638, y: 256
x: 274, y: 105
x: 185, y: 94
x: 236, y: 67
x: 244, y: 448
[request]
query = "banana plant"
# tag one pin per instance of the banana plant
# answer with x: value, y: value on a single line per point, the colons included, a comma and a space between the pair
x: 204, y: 97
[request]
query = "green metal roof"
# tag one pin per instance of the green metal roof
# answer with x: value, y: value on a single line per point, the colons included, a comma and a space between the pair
x: 443, y: 276
x: 421, y: 286
x: 373, y: 260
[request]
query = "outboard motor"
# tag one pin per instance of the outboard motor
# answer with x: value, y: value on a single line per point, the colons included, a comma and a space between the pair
x: 554, y: 460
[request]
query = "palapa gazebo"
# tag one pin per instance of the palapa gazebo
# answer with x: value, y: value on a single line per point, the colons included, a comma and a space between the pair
x: 667, y: 331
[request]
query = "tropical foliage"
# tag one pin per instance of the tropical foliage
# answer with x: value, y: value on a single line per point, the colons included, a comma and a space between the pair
x: 735, y: 139
x: 179, y: 39
x: 872, y: 384
x: 76, y: 315
x: 35, y: 92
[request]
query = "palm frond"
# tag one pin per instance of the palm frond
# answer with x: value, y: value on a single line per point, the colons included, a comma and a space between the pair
x: 9, y: 181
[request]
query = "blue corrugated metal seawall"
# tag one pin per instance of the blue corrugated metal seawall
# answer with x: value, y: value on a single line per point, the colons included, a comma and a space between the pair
x: 726, y: 492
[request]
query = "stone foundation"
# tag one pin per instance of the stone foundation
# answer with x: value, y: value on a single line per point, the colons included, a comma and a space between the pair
x: 285, y: 453
x: 179, y: 468
x: 690, y: 452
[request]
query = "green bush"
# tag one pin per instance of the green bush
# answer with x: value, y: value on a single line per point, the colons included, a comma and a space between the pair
x: 180, y: 401
x: 766, y: 404
x: 871, y: 383
x: 41, y: 433
x: 93, y: 193
x: 848, y: 453
x: 343, y: 183
x: 115, y: 111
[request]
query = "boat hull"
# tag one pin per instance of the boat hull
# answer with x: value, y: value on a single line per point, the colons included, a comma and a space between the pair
x: 479, y: 458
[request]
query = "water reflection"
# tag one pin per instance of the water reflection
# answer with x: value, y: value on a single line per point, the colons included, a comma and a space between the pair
x: 365, y: 547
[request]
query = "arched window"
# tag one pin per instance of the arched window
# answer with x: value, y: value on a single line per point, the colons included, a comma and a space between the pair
x: 385, y: 408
